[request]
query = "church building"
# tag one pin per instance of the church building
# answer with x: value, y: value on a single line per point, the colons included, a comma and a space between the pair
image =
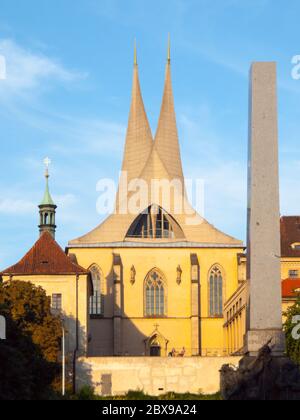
x: 154, y: 278
x: 161, y: 275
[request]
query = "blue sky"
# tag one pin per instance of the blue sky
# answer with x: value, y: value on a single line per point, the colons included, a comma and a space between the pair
x: 67, y: 96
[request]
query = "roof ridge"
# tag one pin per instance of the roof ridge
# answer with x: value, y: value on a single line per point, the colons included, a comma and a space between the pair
x: 45, y: 257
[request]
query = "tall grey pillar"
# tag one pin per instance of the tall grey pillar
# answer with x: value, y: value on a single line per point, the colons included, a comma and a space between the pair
x: 264, y: 316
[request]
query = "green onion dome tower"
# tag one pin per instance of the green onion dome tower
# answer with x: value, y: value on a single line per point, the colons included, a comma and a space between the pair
x: 47, y: 207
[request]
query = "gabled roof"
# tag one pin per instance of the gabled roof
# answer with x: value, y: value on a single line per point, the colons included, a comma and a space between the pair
x: 150, y: 160
x: 290, y: 288
x: 45, y: 258
x: 290, y: 234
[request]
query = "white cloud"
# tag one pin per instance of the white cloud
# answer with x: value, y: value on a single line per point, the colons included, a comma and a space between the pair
x: 25, y: 70
x: 89, y: 136
x: 65, y: 200
x: 75, y: 136
x: 28, y: 75
x: 16, y: 206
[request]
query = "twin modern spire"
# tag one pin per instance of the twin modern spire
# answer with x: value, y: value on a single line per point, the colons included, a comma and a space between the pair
x: 139, y: 138
x: 148, y: 159
x: 166, y: 139
x: 158, y: 157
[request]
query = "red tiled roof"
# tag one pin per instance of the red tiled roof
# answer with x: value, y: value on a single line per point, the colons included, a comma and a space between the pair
x: 45, y: 257
x: 290, y: 288
x: 290, y: 234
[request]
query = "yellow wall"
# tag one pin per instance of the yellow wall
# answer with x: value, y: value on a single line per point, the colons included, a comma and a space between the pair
x: 288, y: 264
x: 235, y: 309
x: 66, y: 286
x: 176, y: 327
x: 235, y: 328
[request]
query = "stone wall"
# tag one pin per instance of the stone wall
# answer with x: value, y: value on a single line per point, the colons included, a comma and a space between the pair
x: 117, y: 375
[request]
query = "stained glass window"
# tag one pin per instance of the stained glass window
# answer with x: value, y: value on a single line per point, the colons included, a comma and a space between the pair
x: 154, y: 295
x: 96, y: 300
x: 215, y: 292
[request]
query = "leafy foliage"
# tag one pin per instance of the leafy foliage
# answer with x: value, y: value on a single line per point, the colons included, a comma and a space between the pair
x: 88, y: 393
x: 28, y: 358
x: 293, y: 346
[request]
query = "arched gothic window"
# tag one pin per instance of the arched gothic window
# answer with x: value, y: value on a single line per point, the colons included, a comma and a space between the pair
x: 96, y: 301
x: 155, y: 295
x: 216, y: 284
x: 155, y: 223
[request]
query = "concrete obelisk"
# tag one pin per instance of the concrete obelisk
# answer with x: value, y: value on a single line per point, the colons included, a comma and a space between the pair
x: 264, y: 314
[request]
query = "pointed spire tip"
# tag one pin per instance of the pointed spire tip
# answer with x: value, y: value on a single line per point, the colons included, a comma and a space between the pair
x: 169, y: 49
x: 135, y: 53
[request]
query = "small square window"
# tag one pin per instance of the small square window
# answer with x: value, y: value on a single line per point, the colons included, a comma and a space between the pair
x: 56, y: 302
x: 294, y: 274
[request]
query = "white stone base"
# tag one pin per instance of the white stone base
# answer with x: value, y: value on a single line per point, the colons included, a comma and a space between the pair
x: 256, y: 339
x: 118, y: 375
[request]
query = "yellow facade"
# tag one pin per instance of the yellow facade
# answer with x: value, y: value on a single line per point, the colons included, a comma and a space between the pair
x: 180, y: 248
x: 75, y: 293
x: 289, y: 264
x: 235, y: 307
x: 126, y: 248
x: 176, y: 326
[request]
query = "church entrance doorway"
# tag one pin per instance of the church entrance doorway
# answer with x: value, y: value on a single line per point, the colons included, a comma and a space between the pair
x: 156, y: 345
x: 155, y: 350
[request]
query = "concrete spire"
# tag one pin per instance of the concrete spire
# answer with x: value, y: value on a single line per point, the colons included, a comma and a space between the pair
x: 139, y: 139
x: 166, y: 139
x: 135, y: 54
x: 159, y: 161
x: 169, y: 49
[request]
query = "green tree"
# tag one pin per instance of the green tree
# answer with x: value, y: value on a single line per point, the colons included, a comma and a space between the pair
x: 290, y: 327
x: 29, y: 357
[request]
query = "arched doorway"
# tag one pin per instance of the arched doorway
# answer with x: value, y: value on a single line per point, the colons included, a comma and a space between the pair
x: 155, y: 348
x: 156, y: 345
